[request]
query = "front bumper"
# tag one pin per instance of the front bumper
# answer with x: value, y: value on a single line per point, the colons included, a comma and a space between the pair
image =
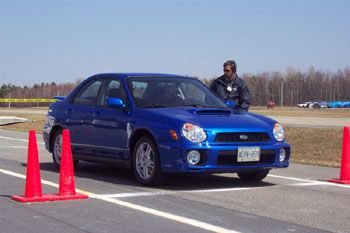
x: 222, y: 158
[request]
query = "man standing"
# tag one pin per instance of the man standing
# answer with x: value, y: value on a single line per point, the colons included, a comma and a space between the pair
x: 230, y: 87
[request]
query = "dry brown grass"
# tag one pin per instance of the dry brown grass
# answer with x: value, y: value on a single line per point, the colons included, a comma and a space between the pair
x: 302, y: 112
x: 37, y: 123
x: 315, y: 146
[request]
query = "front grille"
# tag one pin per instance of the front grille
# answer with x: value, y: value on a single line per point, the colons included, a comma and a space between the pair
x: 229, y: 157
x: 242, y: 137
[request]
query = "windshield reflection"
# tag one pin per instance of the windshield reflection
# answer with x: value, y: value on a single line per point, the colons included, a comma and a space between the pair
x: 164, y: 92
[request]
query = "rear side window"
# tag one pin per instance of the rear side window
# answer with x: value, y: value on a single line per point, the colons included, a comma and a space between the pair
x: 88, y: 94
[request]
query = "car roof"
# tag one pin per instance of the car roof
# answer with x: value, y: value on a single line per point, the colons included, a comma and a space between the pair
x: 131, y: 75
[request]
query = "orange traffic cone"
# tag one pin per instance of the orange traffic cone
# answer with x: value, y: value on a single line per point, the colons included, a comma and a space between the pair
x: 67, y: 184
x: 345, y: 161
x: 33, y: 190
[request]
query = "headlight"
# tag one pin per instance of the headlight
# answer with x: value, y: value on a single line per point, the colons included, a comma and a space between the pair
x: 278, y: 132
x: 193, y: 133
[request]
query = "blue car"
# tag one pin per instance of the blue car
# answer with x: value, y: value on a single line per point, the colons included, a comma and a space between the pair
x: 158, y: 124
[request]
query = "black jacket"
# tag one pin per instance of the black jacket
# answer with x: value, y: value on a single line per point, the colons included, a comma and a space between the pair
x: 235, y: 90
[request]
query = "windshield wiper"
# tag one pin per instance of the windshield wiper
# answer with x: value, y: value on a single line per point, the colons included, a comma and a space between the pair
x: 155, y: 106
x: 174, y: 105
x: 194, y: 105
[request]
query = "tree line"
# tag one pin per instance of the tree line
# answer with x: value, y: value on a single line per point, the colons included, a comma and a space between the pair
x: 37, y: 91
x: 293, y: 86
x: 284, y: 88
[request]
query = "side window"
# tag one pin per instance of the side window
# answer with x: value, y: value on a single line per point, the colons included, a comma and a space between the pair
x: 88, y: 94
x: 114, y: 89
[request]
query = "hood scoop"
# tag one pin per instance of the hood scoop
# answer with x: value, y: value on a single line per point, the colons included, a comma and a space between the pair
x: 212, y: 112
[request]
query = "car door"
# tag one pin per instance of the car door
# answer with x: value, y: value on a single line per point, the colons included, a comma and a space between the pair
x: 78, y: 116
x: 109, y: 125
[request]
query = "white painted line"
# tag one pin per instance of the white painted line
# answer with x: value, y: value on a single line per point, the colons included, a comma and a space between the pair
x: 192, y: 222
x: 311, y: 181
x: 290, y: 178
x: 53, y: 184
x: 17, y: 139
x: 20, y: 147
x: 144, y: 194
x: 123, y: 195
x: 12, y: 173
x: 310, y: 184
x: 24, y: 177
x: 15, y: 147
x: 216, y: 190
x: 173, y: 217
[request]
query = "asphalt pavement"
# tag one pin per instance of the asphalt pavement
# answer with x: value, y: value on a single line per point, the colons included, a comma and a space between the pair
x: 296, y: 199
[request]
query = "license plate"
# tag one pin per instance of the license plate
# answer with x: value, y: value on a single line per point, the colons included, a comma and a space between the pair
x: 248, y: 154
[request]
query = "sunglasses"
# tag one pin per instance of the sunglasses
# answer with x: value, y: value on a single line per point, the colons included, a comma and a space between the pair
x: 227, y: 70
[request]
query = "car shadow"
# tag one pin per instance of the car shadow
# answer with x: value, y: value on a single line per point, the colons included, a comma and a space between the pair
x: 208, y: 181
x: 173, y: 182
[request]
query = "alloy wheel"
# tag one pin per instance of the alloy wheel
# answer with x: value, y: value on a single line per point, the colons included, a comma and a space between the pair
x: 57, y: 150
x: 144, y: 161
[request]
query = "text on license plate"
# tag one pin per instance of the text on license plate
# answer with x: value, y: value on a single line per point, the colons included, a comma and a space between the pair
x: 248, y: 154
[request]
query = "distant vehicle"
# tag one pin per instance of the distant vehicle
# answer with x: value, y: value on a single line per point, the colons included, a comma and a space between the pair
x: 324, y: 104
x: 158, y: 124
x: 305, y: 105
x: 339, y: 104
x: 321, y: 104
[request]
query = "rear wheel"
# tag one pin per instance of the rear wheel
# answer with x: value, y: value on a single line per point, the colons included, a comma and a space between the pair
x: 253, y: 176
x: 146, y: 162
x: 57, y: 150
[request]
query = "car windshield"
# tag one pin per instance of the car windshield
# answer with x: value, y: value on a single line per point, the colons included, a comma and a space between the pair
x: 165, y: 92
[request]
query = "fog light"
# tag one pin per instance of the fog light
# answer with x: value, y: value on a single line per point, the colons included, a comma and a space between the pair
x: 283, y: 155
x: 193, y: 157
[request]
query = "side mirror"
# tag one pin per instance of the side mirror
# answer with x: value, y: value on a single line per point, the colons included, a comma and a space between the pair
x: 115, y: 103
x: 230, y: 103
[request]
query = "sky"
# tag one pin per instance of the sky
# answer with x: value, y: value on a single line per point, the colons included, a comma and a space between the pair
x: 62, y: 41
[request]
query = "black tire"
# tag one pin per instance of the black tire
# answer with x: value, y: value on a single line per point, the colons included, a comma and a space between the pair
x: 145, y: 153
x: 253, y: 176
x: 57, y: 148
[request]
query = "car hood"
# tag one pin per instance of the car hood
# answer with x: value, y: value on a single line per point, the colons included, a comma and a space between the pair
x: 212, y: 119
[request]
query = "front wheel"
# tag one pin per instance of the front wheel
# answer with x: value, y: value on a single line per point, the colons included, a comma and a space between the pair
x: 253, y: 176
x: 146, y: 162
x: 57, y: 150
